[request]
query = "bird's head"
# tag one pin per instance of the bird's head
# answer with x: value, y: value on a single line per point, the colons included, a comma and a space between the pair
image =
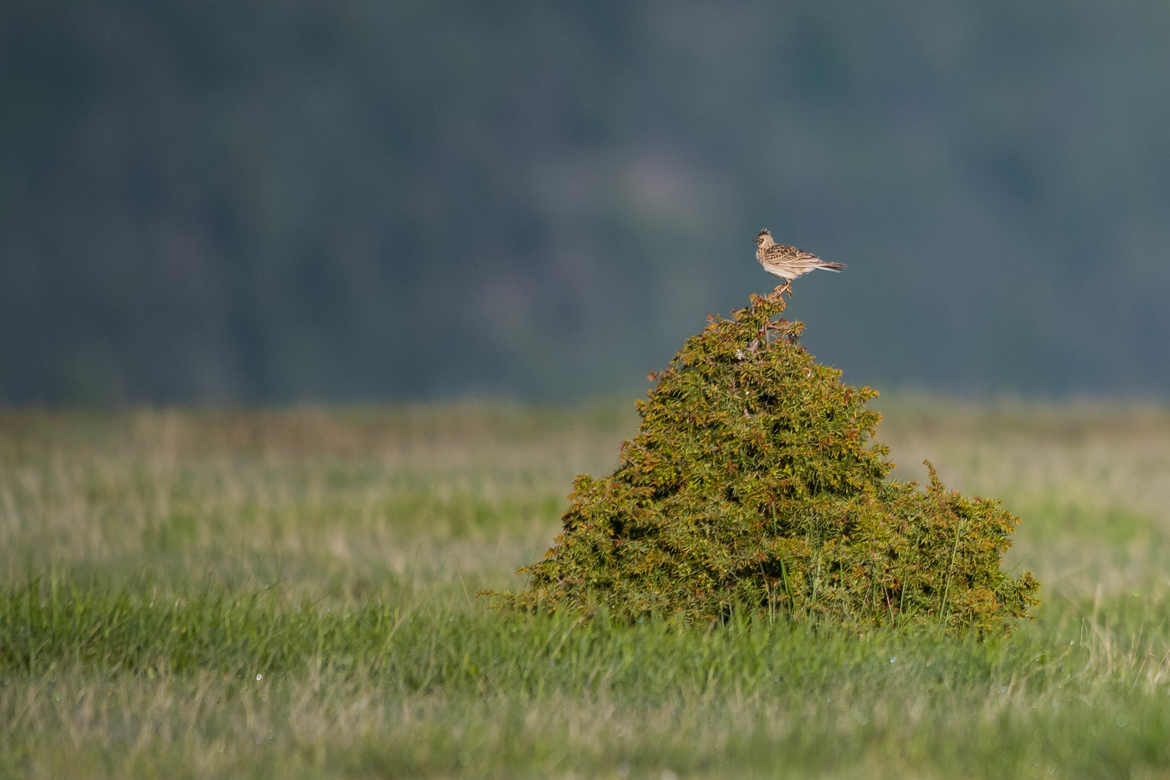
x: 764, y: 238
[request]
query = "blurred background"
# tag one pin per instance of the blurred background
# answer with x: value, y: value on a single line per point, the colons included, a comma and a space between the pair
x: 362, y: 200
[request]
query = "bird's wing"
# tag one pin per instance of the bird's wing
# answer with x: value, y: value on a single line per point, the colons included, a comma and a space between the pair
x: 795, y: 255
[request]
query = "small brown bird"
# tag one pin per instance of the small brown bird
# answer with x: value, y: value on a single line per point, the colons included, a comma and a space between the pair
x: 788, y: 262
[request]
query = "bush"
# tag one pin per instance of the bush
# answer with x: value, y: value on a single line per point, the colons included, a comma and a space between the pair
x: 753, y: 484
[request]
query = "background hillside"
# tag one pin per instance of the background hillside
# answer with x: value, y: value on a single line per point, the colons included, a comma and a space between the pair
x: 362, y: 200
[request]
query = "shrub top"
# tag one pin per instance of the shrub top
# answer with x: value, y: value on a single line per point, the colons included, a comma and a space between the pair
x: 754, y: 483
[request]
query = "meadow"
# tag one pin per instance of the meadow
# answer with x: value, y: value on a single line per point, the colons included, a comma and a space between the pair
x: 292, y: 593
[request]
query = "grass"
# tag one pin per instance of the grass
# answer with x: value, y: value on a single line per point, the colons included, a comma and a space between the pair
x: 291, y: 594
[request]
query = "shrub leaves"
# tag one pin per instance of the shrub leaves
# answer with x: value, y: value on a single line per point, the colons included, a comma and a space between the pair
x: 754, y: 484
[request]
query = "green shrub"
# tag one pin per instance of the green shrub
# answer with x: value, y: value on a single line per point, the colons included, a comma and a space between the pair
x: 753, y: 484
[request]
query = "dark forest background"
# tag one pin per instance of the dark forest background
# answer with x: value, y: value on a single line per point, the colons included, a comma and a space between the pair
x: 363, y: 199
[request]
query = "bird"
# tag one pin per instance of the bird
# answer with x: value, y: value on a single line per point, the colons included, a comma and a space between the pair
x: 788, y: 262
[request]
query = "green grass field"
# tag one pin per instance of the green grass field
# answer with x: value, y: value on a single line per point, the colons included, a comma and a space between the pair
x: 292, y: 594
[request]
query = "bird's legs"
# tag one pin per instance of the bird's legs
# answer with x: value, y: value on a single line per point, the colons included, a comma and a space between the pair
x: 784, y: 288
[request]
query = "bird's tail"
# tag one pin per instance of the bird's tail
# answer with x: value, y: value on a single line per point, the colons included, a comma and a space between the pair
x: 831, y: 266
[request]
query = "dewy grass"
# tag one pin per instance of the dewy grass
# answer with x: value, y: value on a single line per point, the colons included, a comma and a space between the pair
x: 291, y: 594
x: 441, y: 689
x: 421, y: 649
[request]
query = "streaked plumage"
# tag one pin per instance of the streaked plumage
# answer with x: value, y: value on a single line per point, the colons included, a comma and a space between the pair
x: 788, y: 262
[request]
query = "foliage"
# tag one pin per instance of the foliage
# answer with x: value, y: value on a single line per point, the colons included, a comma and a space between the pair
x: 314, y: 186
x: 754, y: 483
